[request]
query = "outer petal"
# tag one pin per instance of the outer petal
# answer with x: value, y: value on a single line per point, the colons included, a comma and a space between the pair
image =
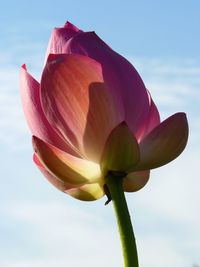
x: 152, y: 120
x: 87, y: 192
x: 78, y: 103
x: 64, y: 166
x: 118, y: 73
x: 63, y: 186
x: 59, y: 37
x: 134, y: 181
x: 164, y: 143
x: 121, y: 151
x: 30, y: 94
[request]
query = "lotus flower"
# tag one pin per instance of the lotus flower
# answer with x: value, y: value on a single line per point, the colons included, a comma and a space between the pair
x: 91, y: 114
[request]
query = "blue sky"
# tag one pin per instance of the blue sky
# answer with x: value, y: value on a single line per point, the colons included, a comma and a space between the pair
x: 41, y: 227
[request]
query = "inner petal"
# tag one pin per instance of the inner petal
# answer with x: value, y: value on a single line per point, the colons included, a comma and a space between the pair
x: 79, y: 104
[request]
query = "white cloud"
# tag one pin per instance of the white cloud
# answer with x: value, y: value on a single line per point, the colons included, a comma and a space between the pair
x: 66, y: 235
x: 160, y: 251
x: 175, y: 89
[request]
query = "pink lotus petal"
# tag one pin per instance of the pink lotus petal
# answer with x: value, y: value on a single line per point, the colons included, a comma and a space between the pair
x: 69, y: 26
x: 78, y: 103
x: 64, y: 166
x: 40, y: 127
x: 164, y: 143
x: 63, y: 186
x: 87, y: 192
x: 59, y: 37
x: 152, y: 120
x: 118, y: 73
x: 134, y: 181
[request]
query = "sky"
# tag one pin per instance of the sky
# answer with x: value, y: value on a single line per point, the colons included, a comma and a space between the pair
x: 42, y: 227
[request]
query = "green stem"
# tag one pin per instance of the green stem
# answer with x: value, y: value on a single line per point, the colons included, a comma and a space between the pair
x: 114, y: 185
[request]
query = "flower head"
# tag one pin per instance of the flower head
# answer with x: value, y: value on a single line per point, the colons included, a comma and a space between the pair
x: 92, y: 114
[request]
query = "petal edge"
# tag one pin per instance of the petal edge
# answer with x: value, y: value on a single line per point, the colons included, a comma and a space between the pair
x: 164, y: 143
x: 64, y: 166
